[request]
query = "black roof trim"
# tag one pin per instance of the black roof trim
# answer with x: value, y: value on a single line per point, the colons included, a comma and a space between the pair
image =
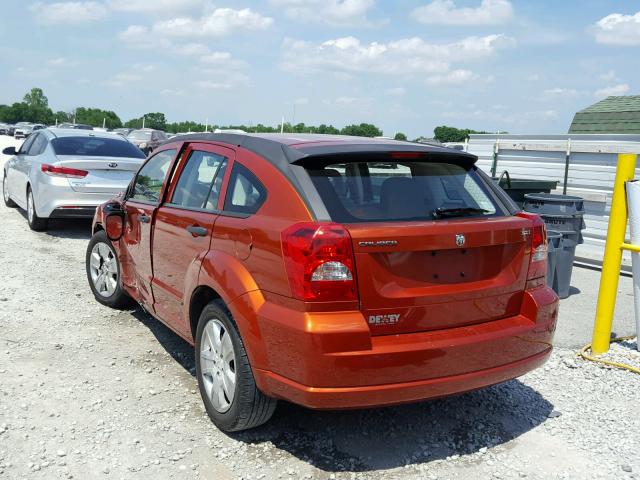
x: 382, y: 148
x: 276, y: 149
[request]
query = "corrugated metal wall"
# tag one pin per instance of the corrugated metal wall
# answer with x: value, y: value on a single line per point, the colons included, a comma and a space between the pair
x: 592, y: 167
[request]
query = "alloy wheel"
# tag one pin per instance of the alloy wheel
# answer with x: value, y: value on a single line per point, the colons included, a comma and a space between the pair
x: 103, y: 268
x: 218, y: 365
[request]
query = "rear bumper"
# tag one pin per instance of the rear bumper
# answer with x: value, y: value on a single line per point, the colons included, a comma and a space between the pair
x: 54, y: 198
x: 397, y: 393
x: 328, y: 360
x: 73, y: 212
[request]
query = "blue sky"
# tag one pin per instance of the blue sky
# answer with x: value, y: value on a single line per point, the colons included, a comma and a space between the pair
x: 405, y: 65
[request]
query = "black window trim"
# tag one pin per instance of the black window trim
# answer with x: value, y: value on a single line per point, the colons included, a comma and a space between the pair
x: 230, y: 185
x: 225, y: 159
x: 128, y: 197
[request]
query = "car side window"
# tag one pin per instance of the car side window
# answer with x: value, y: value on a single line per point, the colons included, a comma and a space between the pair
x: 245, y: 193
x: 24, y: 148
x: 200, y: 181
x: 150, y: 178
x: 38, y: 145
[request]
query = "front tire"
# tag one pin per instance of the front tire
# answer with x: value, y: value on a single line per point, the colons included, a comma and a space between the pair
x: 5, y: 193
x: 36, y: 223
x: 104, y: 273
x: 225, y: 378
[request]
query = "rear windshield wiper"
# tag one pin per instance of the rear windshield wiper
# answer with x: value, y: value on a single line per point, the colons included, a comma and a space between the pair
x: 441, y: 212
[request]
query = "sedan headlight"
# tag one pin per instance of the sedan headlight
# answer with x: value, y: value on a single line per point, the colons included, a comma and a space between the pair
x: 142, y: 145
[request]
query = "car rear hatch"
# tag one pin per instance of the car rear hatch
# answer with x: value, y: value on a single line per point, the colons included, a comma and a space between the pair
x: 104, y: 174
x: 432, y: 275
x: 434, y: 246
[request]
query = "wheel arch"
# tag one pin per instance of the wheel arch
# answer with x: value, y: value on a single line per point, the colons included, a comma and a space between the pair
x: 200, y: 297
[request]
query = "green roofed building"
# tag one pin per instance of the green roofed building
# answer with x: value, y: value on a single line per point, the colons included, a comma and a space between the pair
x: 611, y: 115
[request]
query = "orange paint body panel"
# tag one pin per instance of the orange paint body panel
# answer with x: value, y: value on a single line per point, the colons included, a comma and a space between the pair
x: 432, y: 317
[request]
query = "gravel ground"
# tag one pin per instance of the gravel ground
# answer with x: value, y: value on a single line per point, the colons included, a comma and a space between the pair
x: 87, y: 392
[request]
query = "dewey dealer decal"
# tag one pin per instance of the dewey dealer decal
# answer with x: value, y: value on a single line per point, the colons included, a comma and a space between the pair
x: 386, y: 319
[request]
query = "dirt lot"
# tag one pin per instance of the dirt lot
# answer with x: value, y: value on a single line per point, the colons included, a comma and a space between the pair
x: 87, y: 392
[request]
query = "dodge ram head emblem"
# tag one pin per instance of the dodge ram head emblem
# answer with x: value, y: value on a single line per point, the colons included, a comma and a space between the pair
x: 460, y: 239
x: 113, y: 165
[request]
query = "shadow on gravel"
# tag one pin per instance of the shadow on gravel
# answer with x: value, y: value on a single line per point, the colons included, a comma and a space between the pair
x: 386, y: 438
x: 392, y: 437
x: 76, y: 228
x: 65, y: 228
x: 175, y: 346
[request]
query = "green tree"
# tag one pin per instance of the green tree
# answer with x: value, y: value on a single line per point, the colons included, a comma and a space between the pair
x: 61, y: 117
x: 362, y: 130
x: 36, y: 99
x: 451, y: 134
x: 96, y: 117
x: 155, y: 120
x: 400, y: 136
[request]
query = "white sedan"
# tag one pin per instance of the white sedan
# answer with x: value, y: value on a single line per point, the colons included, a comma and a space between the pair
x: 67, y: 173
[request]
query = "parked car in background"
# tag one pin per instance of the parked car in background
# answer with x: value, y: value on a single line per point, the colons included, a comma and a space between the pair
x: 60, y: 173
x: 333, y: 272
x: 4, y: 129
x: 147, y: 139
x: 22, y: 131
x: 12, y: 128
x: 76, y: 126
x: 123, y: 131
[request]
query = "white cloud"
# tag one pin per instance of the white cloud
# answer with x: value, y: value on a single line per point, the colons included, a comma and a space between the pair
x: 222, y: 80
x: 67, y: 12
x: 401, y: 57
x: 171, y: 92
x: 618, y: 29
x: 123, y: 79
x: 223, y: 59
x: 455, y: 77
x: 614, y: 90
x: 58, y: 61
x: 195, y: 49
x: 563, y: 92
x: 610, y: 76
x: 218, y: 23
x: 142, y: 67
x: 330, y: 12
x: 396, y: 91
x: 445, y: 12
x: 152, y: 6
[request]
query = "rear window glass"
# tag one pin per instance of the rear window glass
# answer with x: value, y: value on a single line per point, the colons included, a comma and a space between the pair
x: 373, y: 191
x: 95, y: 147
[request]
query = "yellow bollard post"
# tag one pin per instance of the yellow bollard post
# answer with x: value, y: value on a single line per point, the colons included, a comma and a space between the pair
x: 612, y: 255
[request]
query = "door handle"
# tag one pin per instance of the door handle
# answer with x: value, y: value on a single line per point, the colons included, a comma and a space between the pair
x: 144, y: 218
x: 197, y: 231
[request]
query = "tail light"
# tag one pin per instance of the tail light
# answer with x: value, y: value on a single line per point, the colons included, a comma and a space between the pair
x: 63, y: 171
x: 319, y: 261
x: 538, y: 247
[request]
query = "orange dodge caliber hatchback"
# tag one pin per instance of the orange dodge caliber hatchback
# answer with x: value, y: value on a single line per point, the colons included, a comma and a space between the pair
x: 333, y: 272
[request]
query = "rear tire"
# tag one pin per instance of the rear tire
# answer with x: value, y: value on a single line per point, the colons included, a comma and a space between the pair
x: 36, y: 223
x: 243, y: 406
x: 5, y: 193
x: 104, y: 273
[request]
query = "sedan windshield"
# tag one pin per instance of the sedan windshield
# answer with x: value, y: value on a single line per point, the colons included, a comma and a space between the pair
x: 95, y: 147
x: 140, y: 135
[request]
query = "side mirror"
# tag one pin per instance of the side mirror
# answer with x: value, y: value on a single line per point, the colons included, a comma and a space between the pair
x: 114, y: 221
x: 9, y: 151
